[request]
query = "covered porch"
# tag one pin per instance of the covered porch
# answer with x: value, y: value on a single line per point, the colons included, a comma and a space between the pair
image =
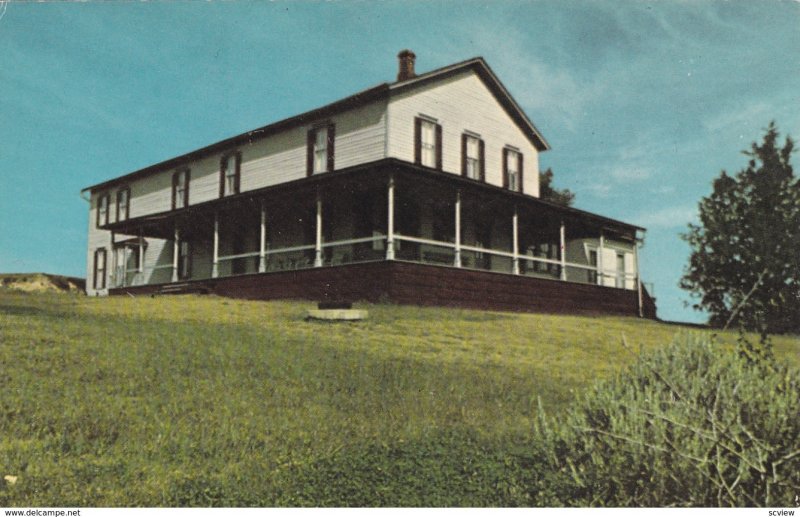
x: 393, y: 212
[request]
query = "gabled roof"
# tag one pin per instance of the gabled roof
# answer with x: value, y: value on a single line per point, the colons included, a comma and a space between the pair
x: 381, y: 91
x: 495, y: 86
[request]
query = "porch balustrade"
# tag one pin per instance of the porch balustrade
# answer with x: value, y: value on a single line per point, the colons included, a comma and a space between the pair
x: 464, y: 249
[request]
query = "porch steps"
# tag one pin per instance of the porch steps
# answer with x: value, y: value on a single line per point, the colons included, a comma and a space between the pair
x: 185, y: 288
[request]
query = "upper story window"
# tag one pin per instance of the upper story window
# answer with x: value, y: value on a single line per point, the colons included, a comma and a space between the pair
x: 102, y: 210
x: 123, y: 204
x: 512, y: 169
x: 472, y: 157
x: 320, y: 149
x: 99, y: 268
x: 229, y: 173
x: 427, y: 143
x: 180, y: 189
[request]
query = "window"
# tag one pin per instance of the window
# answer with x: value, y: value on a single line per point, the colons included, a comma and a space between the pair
x: 123, y: 204
x: 100, y: 268
x: 427, y: 143
x: 320, y: 149
x: 593, y: 272
x: 180, y: 189
x: 472, y: 162
x: 512, y: 170
x: 620, y: 270
x: 229, y: 173
x: 102, y: 210
x: 184, y: 260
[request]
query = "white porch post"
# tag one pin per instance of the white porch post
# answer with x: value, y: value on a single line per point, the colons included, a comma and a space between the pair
x: 562, y: 238
x: 638, y: 276
x: 318, y: 241
x: 262, y: 249
x: 457, y: 257
x: 600, y: 271
x: 215, y: 256
x: 390, y: 221
x: 515, y: 241
x: 175, y: 243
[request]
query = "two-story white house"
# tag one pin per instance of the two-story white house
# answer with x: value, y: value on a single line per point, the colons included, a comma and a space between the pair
x: 424, y: 190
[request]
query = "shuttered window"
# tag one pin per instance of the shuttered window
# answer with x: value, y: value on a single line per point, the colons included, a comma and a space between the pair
x: 123, y: 204
x: 102, y: 210
x: 230, y: 168
x: 472, y: 157
x: 427, y: 143
x: 100, y: 268
x: 321, y: 149
x: 180, y: 189
x: 512, y: 170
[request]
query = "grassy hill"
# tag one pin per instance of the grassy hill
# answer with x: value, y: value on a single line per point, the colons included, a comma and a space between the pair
x: 208, y: 401
x: 41, y: 282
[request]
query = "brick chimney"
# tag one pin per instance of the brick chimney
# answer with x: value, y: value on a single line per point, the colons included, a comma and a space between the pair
x: 406, y: 65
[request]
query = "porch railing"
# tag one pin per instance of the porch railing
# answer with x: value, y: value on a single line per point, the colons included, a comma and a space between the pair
x: 346, y: 251
x: 122, y: 277
x: 407, y: 248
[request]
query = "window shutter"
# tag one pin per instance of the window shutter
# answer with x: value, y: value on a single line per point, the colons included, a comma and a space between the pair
x: 174, y: 188
x: 94, y: 284
x: 188, y: 174
x: 310, y: 152
x: 463, y: 154
x: 519, y: 158
x: 418, y: 140
x: 331, y: 139
x: 505, y: 168
x: 238, y: 175
x: 100, y: 200
x: 127, y: 192
x: 481, y: 160
x: 100, y: 277
x: 438, y: 147
x: 222, y: 177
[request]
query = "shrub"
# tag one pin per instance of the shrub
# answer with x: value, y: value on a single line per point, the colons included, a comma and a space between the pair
x: 690, y: 425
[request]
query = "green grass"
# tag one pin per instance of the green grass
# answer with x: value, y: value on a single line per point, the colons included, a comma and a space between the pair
x: 187, y: 400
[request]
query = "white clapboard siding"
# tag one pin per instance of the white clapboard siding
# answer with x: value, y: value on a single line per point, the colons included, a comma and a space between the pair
x: 360, y: 135
x: 203, y: 181
x: 610, y: 250
x: 461, y: 103
x: 359, y: 138
x: 97, y: 239
x: 159, y: 252
x: 578, y: 253
x: 150, y: 195
x: 272, y: 160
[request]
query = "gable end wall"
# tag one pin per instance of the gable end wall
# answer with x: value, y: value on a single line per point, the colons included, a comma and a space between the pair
x: 461, y: 103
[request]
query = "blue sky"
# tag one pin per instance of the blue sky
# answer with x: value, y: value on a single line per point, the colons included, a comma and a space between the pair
x: 643, y: 102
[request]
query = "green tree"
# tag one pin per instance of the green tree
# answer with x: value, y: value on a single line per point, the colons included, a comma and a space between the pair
x: 549, y: 193
x: 745, y: 261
